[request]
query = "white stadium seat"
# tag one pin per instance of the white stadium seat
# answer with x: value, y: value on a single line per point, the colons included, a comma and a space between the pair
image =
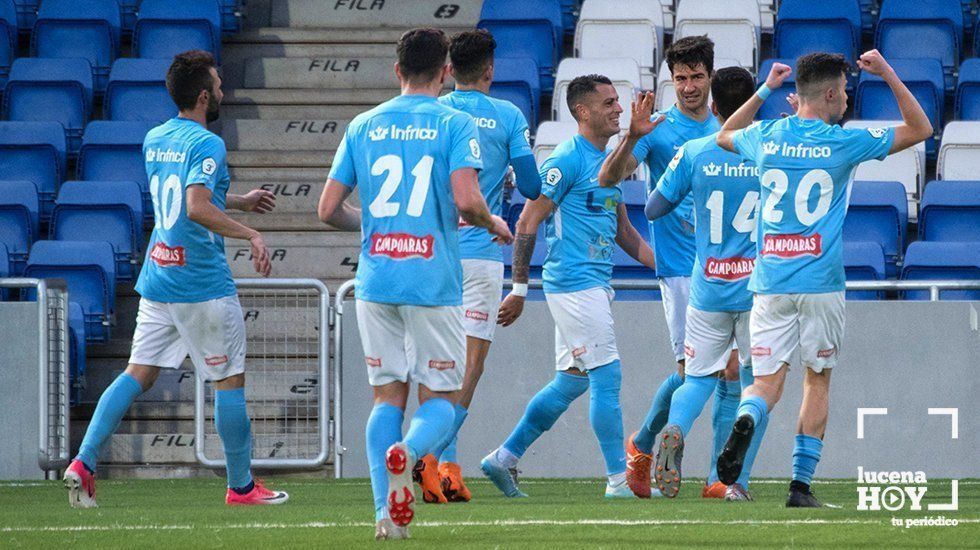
x: 733, y: 25
x: 618, y: 28
x: 624, y: 73
x: 907, y: 167
x: 959, y: 152
x: 551, y: 133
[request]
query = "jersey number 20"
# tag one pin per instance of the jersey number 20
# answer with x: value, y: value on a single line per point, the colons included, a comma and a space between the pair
x: 381, y: 207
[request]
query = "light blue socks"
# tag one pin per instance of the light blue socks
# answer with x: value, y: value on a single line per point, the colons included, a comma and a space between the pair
x: 727, y: 395
x: 446, y: 451
x: 112, y: 406
x: 430, y: 426
x: 606, y: 415
x: 384, y: 429
x: 806, y: 455
x: 745, y: 372
x: 544, y: 409
x: 231, y: 421
x: 689, y: 400
x: 659, y: 411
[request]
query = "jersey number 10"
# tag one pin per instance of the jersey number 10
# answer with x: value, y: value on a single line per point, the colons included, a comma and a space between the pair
x: 167, y: 201
x: 381, y: 207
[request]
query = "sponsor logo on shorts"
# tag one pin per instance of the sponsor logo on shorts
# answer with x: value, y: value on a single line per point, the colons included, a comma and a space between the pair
x: 215, y: 360
x: 760, y: 351
x: 688, y: 351
x: 792, y: 246
x: 442, y: 365
x: 402, y: 246
x: 165, y: 256
x: 579, y: 351
x: 463, y: 223
x: 373, y: 361
x: 477, y: 315
x: 729, y: 269
x: 824, y: 353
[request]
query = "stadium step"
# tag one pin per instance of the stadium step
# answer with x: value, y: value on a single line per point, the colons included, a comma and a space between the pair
x: 264, y: 174
x: 296, y: 203
x: 365, y: 98
x: 147, y: 448
x: 363, y: 20
x: 279, y: 112
x: 321, y: 255
x: 319, y: 72
x: 284, y: 159
x: 279, y: 135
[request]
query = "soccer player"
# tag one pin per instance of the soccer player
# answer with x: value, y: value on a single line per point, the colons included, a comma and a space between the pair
x: 807, y: 162
x: 583, y: 221
x: 188, y: 302
x: 726, y: 201
x: 414, y: 161
x: 691, y: 63
x: 504, y: 142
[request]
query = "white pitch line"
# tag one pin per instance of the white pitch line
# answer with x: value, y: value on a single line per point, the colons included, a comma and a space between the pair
x: 497, y: 523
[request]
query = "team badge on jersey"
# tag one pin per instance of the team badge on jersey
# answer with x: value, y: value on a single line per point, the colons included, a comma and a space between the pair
x: 553, y: 176
x: 475, y: 148
x: 876, y: 133
x: 208, y: 166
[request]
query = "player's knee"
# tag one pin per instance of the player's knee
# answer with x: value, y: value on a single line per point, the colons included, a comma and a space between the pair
x: 233, y: 382
x: 145, y: 375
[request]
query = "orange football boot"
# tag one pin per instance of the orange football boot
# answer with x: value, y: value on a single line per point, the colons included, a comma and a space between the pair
x: 452, y: 482
x: 638, y: 469
x: 715, y: 490
x: 426, y: 474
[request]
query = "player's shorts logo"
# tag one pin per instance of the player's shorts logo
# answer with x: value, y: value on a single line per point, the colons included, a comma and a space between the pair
x: 208, y: 166
x: 729, y: 269
x: 689, y: 351
x: 760, y: 351
x: 373, y: 362
x: 792, y: 246
x: 579, y: 351
x: 165, y: 256
x: 402, y: 246
x: 477, y: 315
x: 442, y: 365
x: 215, y: 360
x: 825, y: 353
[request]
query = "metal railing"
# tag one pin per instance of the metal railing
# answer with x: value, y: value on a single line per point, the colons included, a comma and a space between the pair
x: 54, y: 385
x: 287, y: 378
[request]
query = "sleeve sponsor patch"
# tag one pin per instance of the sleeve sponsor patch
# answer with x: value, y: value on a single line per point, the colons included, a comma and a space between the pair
x: 877, y: 133
x: 475, y: 148
x: 553, y: 176
x: 676, y: 159
x: 527, y: 135
x: 208, y: 166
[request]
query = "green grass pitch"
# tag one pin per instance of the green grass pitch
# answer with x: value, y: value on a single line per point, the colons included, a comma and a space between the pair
x: 190, y: 513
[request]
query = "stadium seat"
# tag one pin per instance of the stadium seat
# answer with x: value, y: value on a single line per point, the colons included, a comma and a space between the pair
x: 804, y: 26
x: 526, y: 29
x: 921, y: 29
x: 76, y: 345
x: 18, y: 221
x: 951, y: 212
x: 88, y: 29
x: 231, y: 16
x: 550, y: 133
x: 907, y: 167
x: 90, y: 270
x: 623, y: 72
x: 110, y: 211
x: 569, y: 10
x: 776, y: 105
x: 26, y: 14
x: 137, y: 90
x: 34, y: 151
x: 959, y: 152
x: 113, y: 151
x: 165, y: 28
x: 878, y: 213
x: 942, y: 260
x: 517, y: 80
x: 968, y: 90
x: 864, y: 261
x: 614, y: 28
x: 635, y: 199
x: 5, y: 271
x: 127, y: 15
x: 58, y: 90
x: 924, y: 77
x: 8, y: 37
x: 732, y: 24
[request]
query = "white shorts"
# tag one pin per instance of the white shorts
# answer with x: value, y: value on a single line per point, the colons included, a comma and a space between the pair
x: 212, y: 333
x: 708, y: 340
x: 783, y: 323
x: 675, y: 292
x: 423, y: 343
x: 483, y: 283
x: 584, y: 335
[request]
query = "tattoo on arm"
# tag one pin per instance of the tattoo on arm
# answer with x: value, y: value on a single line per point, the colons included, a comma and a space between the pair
x: 523, y: 248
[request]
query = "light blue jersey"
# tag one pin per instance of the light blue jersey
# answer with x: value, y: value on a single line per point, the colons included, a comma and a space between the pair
x: 807, y: 167
x: 581, y: 232
x: 504, y: 135
x: 672, y: 236
x: 400, y: 156
x: 726, y: 203
x: 184, y: 261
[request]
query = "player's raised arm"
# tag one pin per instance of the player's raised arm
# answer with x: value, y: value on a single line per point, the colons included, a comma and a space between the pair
x: 533, y: 214
x: 621, y: 162
x: 202, y: 211
x: 915, y: 125
x: 630, y: 240
x: 745, y: 114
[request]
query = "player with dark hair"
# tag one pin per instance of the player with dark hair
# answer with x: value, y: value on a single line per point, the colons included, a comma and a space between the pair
x: 188, y: 304
x: 691, y: 62
x: 583, y: 222
x: 807, y: 164
x: 504, y: 141
x: 414, y: 162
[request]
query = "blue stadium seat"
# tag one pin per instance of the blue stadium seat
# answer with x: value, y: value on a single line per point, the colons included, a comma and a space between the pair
x: 34, y: 151
x: 8, y: 37
x: 110, y: 211
x: 165, y: 28
x: 776, y: 106
x: 18, y: 221
x: 76, y: 348
x: 127, y: 13
x: 526, y: 29
x: 569, y: 11
x: 804, y: 26
x: 878, y: 213
x: 864, y: 261
x: 231, y: 16
x: 968, y: 90
x: 950, y: 211
x: 58, y: 90
x: 26, y: 14
x: 922, y: 29
x: 137, y: 90
x: 5, y: 271
x: 924, y: 77
x: 942, y: 260
x: 517, y: 80
x: 88, y: 29
x: 90, y: 270
x: 113, y: 151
